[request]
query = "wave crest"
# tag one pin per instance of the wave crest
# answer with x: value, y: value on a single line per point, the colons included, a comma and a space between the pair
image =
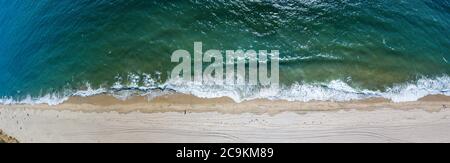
x: 335, y: 90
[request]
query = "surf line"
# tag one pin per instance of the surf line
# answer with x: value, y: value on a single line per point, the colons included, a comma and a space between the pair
x: 236, y: 67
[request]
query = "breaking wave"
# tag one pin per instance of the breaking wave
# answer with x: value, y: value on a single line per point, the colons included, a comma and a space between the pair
x: 335, y: 90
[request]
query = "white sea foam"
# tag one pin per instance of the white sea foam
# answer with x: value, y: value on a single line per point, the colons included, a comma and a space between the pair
x: 415, y: 91
x: 53, y: 98
x: 90, y: 92
x: 335, y: 90
x: 306, y: 58
x: 50, y: 99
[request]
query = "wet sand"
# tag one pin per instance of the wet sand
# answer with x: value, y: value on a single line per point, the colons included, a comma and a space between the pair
x: 184, y: 118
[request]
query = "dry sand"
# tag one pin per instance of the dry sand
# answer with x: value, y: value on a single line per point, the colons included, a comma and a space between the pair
x: 183, y: 118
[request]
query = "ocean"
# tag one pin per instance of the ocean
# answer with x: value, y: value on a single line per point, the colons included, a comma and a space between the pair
x: 330, y: 50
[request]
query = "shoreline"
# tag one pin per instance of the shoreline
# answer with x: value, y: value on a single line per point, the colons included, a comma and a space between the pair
x: 177, y: 102
x: 186, y: 119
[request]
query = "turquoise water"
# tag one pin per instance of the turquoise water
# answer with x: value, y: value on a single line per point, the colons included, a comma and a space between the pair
x: 328, y: 48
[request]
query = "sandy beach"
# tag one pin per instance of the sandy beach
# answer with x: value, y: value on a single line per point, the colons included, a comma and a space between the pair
x: 184, y: 118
